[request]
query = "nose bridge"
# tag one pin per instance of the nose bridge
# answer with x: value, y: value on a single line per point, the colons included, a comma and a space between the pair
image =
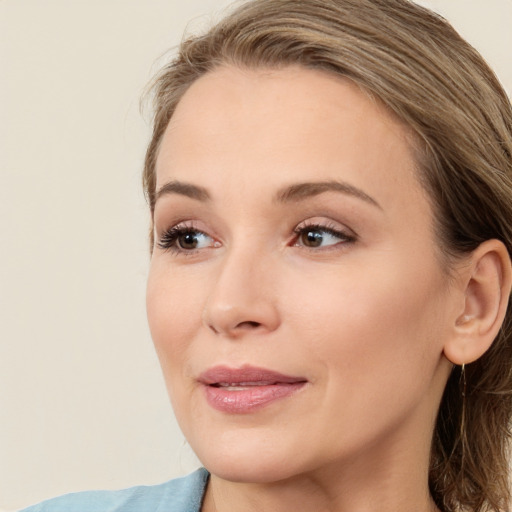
x: 241, y: 298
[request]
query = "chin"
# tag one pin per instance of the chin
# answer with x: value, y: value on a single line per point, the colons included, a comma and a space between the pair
x: 250, y: 470
x: 251, y: 460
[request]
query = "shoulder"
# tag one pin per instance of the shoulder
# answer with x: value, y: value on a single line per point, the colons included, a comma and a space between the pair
x: 178, y: 495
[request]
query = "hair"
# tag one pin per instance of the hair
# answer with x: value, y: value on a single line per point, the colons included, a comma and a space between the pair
x: 413, y: 61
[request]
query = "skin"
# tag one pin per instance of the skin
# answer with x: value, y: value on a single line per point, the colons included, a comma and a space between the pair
x: 364, y: 318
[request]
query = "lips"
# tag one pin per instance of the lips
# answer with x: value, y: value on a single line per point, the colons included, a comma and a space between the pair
x: 247, y: 389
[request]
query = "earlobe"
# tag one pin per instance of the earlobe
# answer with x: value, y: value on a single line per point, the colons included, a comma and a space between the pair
x: 487, y: 282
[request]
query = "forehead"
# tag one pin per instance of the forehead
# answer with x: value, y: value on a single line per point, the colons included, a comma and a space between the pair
x: 281, y: 126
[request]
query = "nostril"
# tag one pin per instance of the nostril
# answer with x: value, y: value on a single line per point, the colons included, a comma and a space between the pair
x: 248, y: 324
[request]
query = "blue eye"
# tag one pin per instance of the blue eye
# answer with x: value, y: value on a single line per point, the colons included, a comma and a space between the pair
x: 183, y: 239
x: 321, y: 236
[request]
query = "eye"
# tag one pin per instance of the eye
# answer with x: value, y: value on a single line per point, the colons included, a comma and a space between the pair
x: 313, y: 236
x: 185, y: 239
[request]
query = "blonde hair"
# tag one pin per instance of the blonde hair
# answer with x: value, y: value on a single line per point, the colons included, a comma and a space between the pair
x: 416, y: 64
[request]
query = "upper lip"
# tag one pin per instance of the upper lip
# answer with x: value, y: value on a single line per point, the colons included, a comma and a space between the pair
x: 246, y: 375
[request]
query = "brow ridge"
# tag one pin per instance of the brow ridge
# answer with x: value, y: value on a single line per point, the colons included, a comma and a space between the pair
x: 183, y: 189
x: 301, y: 191
x: 294, y: 192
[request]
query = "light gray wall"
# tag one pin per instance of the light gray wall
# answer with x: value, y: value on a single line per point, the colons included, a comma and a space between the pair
x: 82, y: 402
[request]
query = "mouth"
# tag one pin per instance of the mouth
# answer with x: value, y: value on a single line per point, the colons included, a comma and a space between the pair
x: 247, y: 389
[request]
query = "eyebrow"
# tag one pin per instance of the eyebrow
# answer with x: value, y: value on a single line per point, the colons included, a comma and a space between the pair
x: 301, y: 191
x: 183, y: 189
x: 291, y: 193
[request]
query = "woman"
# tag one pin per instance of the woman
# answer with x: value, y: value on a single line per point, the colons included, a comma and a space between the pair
x: 330, y: 190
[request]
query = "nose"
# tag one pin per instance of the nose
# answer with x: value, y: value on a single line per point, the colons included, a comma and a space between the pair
x: 243, y: 298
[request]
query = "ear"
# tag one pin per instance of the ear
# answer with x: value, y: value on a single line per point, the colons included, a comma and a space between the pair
x: 486, y: 282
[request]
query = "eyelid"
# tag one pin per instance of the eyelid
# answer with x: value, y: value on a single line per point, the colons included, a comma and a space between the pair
x: 327, y: 224
x: 168, y: 238
x: 340, y: 231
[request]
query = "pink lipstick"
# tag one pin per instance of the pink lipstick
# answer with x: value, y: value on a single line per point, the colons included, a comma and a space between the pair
x: 244, y: 390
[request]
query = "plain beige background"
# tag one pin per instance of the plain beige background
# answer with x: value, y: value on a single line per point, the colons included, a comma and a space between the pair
x: 82, y: 401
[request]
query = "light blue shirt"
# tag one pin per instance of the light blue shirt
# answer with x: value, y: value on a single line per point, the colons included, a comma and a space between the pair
x: 179, y: 495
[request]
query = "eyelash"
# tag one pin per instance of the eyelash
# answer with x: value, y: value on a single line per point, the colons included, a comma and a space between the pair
x: 170, y: 238
x: 344, y: 237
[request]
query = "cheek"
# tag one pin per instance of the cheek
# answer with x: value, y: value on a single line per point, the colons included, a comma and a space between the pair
x: 371, y: 315
x: 374, y: 339
x: 174, y: 309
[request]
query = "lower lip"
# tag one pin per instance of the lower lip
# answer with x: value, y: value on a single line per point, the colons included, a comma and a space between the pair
x: 249, y: 399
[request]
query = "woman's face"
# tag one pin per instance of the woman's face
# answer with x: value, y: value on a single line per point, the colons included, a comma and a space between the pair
x: 295, y: 296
